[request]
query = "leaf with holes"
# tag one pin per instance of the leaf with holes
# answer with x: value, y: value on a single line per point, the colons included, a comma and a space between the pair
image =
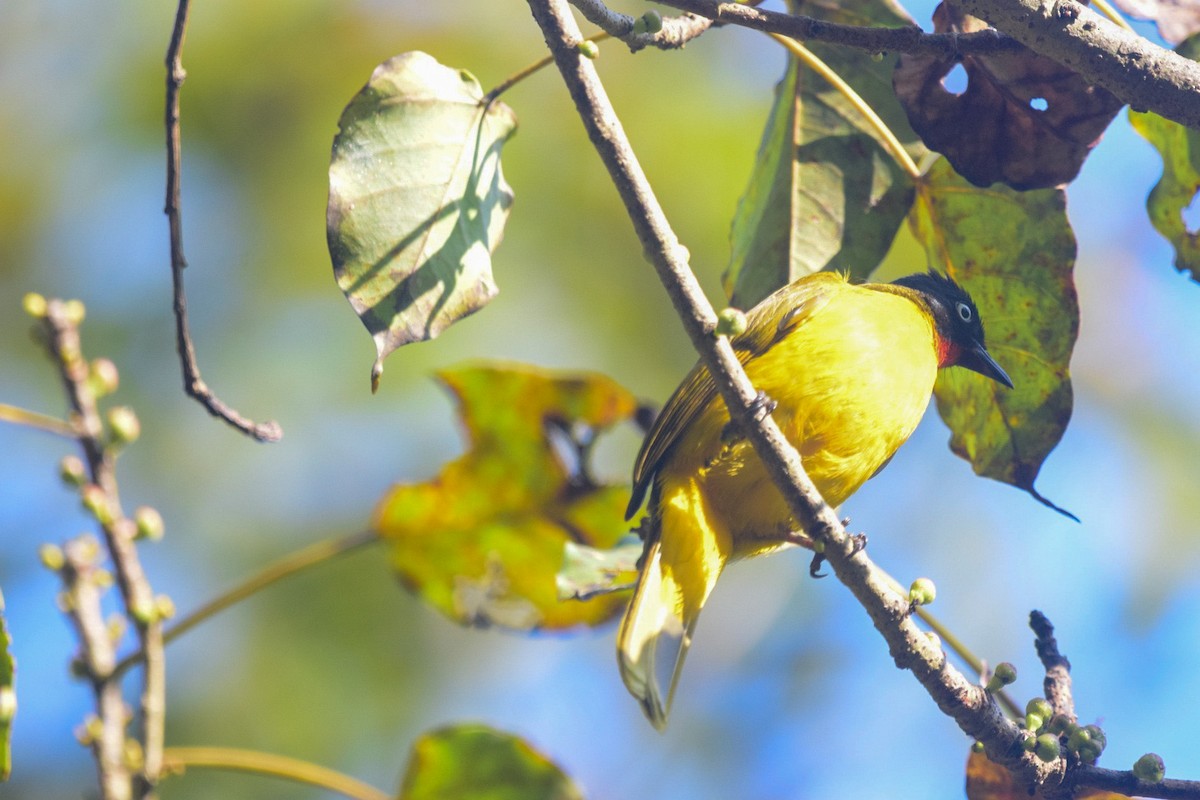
x: 483, y: 540
x: 1023, y: 119
x: 825, y: 193
x: 476, y: 762
x: 1179, y: 186
x: 1014, y: 252
x: 417, y: 200
x: 8, y: 696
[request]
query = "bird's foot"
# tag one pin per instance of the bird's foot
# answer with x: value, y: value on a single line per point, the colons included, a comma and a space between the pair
x: 761, y: 406
x: 858, y: 543
x: 814, y: 566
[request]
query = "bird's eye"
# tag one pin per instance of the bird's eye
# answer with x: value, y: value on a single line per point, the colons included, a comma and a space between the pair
x: 964, y: 312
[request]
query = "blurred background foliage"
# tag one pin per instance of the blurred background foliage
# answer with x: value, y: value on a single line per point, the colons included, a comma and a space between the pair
x: 789, y: 692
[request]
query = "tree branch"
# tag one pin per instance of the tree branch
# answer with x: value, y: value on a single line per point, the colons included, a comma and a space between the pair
x: 1057, y: 683
x: 101, y: 496
x: 193, y: 385
x: 1136, y: 71
x: 1147, y: 77
x: 675, y: 33
x: 911, y: 39
x: 968, y: 704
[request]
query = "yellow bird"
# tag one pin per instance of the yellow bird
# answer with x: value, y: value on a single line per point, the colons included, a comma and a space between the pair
x: 850, y: 369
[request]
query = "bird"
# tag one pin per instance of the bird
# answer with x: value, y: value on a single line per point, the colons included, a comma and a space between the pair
x: 847, y: 371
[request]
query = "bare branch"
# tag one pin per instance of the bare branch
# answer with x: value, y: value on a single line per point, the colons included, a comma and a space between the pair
x: 968, y: 704
x: 1126, y: 783
x: 911, y: 40
x: 1147, y: 77
x: 192, y: 383
x: 1057, y: 683
x: 675, y: 33
x: 62, y: 341
x: 1136, y: 71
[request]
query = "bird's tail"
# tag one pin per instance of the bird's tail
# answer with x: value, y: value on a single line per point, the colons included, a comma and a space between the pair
x: 679, y: 569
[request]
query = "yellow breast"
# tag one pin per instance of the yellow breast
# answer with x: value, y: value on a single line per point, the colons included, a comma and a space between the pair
x: 850, y: 384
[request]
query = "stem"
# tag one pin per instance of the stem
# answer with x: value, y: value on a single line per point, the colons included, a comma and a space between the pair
x: 193, y: 384
x: 33, y: 419
x: 535, y: 67
x: 290, y: 564
x: 1107, y: 10
x: 861, y: 106
x: 178, y: 759
x: 137, y: 597
x: 974, y: 662
x: 967, y: 703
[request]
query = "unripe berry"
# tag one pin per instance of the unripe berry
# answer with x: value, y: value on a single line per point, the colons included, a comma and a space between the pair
x: 96, y: 502
x: 652, y: 21
x: 71, y: 470
x: 1150, y: 768
x: 588, y: 49
x: 124, y: 425
x: 922, y: 592
x: 34, y: 305
x: 164, y: 606
x: 103, y: 377
x: 1039, y: 706
x: 1046, y: 747
x: 75, y: 312
x: 149, y: 523
x: 731, y: 322
x: 1004, y: 674
x: 52, y: 556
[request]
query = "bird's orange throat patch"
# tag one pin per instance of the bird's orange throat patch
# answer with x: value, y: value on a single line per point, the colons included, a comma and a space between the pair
x: 948, y: 352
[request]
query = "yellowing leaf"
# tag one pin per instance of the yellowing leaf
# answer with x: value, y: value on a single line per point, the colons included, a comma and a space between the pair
x: 483, y: 541
x: 1014, y: 252
x: 417, y: 200
x: 987, y: 780
x: 1179, y: 148
x: 475, y: 762
x: 824, y: 193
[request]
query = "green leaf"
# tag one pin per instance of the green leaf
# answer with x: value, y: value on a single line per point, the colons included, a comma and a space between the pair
x: 8, y: 696
x: 825, y: 193
x: 483, y: 541
x: 475, y: 762
x: 1179, y: 185
x: 417, y: 200
x: 1014, y: 252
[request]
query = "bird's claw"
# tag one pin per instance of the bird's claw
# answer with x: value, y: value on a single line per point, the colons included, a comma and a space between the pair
x: 814, y: 567
x: 761, y: 406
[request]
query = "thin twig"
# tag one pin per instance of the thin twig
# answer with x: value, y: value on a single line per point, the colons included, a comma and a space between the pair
x: 966, y: 702
x: 288, y: 565
x: 32, y: 419
x: 1136, y: 71
x: 675, y: 33
x: 1057, y: 683
x: 178, y: 759
x: 192, y: 383
x: 81, y: 601
x: 62, y: 340
x: 872, y: 39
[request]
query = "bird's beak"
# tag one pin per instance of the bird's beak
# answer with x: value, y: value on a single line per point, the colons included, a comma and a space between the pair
x: 980, y: 360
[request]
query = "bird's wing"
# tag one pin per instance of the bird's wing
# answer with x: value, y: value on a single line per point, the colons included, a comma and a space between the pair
x: 766, y: 323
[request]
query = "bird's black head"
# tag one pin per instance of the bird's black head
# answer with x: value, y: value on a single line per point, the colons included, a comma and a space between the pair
x: 959, y: 328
